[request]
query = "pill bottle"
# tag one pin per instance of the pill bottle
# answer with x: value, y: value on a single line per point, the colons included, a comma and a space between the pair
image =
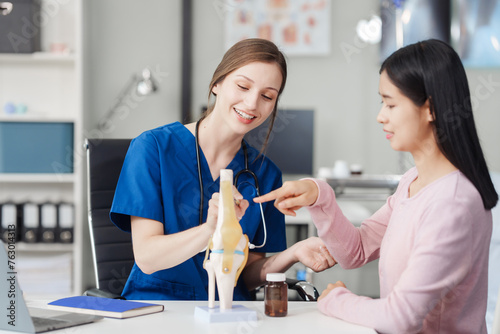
x: 356, y: 169
x: 276, y: 295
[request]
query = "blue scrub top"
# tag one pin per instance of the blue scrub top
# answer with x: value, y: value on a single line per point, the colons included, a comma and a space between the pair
x: 159, y: 181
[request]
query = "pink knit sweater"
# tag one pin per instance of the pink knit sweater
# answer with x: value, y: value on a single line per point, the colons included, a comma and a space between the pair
x: 433, y: 251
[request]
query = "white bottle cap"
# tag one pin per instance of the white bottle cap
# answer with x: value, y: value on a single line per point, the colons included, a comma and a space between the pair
x: 356, y: 168
x: 276, y: 277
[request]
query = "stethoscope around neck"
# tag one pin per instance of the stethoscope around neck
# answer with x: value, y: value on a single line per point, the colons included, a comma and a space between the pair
x: 236, y: 177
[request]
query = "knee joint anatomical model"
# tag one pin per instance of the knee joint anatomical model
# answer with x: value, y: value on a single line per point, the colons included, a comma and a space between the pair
x: 227, y: 250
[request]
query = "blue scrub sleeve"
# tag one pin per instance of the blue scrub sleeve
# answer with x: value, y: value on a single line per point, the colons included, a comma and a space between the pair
x: 138, y: 190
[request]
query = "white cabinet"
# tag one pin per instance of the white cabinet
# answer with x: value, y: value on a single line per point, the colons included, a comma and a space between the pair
x: 48, y: 84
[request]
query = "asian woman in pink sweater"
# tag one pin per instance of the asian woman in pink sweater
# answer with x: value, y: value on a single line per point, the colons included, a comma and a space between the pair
x: 432, y: 236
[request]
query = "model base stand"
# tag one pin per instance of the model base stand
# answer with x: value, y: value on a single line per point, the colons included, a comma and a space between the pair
x: 234, y: 314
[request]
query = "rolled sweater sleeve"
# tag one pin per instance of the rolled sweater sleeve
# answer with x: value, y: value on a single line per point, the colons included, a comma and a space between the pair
x: 351, y: 247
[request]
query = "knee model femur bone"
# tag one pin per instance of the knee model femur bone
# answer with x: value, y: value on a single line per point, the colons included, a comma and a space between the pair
x: 227, y: 250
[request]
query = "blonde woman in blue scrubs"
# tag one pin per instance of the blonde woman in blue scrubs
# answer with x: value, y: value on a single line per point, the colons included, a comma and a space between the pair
x: 158, y: 194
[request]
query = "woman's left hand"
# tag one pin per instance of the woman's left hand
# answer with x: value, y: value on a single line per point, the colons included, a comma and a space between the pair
x: 312, y: 253
x: 330, y: 287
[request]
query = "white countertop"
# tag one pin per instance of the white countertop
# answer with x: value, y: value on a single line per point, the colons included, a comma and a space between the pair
x: 178, y: 317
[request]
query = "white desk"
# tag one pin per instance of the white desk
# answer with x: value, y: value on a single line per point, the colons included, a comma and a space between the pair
x: 178, y: 317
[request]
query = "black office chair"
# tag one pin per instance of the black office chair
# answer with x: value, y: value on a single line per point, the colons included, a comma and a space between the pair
x: 111, y: 247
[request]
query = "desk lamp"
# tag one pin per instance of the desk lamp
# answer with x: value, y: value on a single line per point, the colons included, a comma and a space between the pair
x: 142, y: 85
x: 5, y: 8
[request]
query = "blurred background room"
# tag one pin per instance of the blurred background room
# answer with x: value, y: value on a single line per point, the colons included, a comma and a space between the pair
x: 75, y: 69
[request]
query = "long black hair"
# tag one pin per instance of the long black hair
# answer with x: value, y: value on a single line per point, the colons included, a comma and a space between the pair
x: 432, y: 71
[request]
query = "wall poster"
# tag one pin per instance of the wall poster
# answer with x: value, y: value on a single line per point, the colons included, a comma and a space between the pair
x: 298, y: 27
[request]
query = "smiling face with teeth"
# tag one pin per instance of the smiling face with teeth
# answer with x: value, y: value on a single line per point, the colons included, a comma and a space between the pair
x: 247, y: 96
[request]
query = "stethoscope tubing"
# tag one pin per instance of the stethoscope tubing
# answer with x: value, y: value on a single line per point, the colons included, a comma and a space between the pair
x: 245, y: 170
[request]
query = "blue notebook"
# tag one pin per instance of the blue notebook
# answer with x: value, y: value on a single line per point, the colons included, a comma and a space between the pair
x: 106, y: 307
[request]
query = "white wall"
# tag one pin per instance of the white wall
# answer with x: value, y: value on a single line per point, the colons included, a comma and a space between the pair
x: 123, y: 37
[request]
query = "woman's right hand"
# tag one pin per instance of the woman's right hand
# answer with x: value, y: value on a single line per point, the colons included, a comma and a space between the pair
x: 213, y: 212
x: 241, y: 205
x: 292, y: 196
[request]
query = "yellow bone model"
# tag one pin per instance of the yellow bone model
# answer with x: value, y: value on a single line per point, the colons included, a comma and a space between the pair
x: 228, y: 246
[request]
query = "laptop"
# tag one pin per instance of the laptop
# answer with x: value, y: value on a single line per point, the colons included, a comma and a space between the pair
x: 17, y: 316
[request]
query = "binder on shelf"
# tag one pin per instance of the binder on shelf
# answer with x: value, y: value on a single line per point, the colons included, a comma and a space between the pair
x: 8, y: 222
x: 66, y: 219
x: 30, y: 222
x: 48, y: 222
x: 36, y: 147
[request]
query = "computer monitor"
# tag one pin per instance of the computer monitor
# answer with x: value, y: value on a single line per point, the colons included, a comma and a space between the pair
x: 291, y: 142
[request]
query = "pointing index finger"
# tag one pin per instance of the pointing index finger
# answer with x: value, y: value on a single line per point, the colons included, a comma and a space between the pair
x: 271, y: 196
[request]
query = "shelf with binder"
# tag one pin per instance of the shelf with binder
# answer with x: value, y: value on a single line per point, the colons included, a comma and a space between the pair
x: 41, y: 120
x: 42, y: 235
x: 37, y: 223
